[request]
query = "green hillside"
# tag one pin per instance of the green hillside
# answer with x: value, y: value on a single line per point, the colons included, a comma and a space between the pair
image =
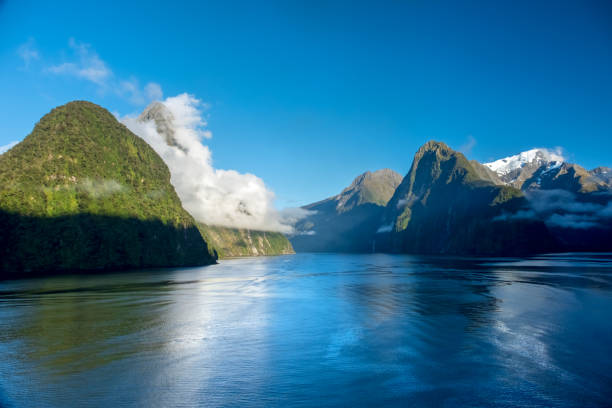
x: 82, y: 192
x: 445, y: 206
x: 233, y: 242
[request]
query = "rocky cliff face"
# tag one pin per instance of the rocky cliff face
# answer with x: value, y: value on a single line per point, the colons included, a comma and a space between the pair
x: 564, y: 176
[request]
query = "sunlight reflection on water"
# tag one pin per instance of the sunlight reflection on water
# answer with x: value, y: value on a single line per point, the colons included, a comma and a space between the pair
x: 303, y: 330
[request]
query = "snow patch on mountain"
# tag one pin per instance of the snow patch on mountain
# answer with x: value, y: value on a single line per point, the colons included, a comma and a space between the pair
x: 535, y: 157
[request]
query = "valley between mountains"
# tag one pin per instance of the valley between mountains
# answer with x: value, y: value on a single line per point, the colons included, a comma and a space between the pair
x: 84, y: 193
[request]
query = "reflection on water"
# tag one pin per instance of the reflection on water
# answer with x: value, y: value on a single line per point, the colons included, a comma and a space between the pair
x: 304, y: 330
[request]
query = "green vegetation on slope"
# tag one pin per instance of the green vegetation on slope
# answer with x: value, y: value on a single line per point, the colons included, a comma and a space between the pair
x: 232, y: 242
x: 446, y: 206
x: 80, y: 165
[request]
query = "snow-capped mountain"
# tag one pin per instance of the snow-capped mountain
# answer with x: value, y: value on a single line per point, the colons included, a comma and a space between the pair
x: 514, y: 170
x: 545, y: 169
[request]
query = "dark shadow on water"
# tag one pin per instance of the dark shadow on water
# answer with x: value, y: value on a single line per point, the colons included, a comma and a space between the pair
x: 34, y: 246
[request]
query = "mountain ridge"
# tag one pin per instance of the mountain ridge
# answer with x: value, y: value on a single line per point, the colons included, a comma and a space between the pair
x: 355, y: 211
x: 443, y: 206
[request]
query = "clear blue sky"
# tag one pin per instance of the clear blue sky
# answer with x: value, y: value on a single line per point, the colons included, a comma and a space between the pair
x: 309, y: 94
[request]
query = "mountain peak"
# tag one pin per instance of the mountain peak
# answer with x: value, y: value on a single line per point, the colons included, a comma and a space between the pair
x: 510, y: 166
x: 370, y: 187
x: 435, y: 146
x: 378, y: 175
x: 163, y: 118
x: 515, y: 170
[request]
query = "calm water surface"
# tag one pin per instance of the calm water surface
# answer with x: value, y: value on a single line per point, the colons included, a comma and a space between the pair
x: 323, y: 330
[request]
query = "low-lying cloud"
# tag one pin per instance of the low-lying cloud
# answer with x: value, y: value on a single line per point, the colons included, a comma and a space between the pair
x: 227, y: 198
x: 564, y: 209
x: 100, y: 188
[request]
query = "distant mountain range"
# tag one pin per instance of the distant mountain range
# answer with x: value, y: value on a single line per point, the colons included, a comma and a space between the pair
x: 83, y: 193
x: 528, y: 203
x: 344, y: 222
x: 542, y: 169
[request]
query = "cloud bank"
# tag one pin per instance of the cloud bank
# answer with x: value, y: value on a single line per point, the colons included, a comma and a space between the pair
x: 175, y: 128
x: 563, y: 209
x: 560, y: 208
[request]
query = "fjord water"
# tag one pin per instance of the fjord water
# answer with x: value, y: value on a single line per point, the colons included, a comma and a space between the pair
x: 325, y: 330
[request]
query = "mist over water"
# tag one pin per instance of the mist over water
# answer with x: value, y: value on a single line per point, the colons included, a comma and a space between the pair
x: 322, y: 330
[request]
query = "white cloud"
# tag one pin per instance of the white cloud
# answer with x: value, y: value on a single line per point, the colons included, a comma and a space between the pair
x: 100, y: 188
x: 560, y: 208
x: 153, y: 91
x: 86, y: 64
x: 564, y: 209
x: 212, y: 196
x: 290, y: 216
x: 7, y: 146
x: 133, y: 92
x: 559, y: 200
x: 28, y: 52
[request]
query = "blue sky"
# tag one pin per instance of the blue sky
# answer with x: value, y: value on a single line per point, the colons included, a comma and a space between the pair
x: 307, y: 95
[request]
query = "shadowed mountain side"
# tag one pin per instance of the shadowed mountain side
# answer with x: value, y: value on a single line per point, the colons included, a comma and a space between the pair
x: 232, y: 242
x: 463, y: 221
x: 347, y: 221
x: 567, y: 176
x: 350, y: 231
x: 444, y: 206
x: 486, y: 173
x: 579, y: 221
x: 595, y: 239
x: 84, y: 242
